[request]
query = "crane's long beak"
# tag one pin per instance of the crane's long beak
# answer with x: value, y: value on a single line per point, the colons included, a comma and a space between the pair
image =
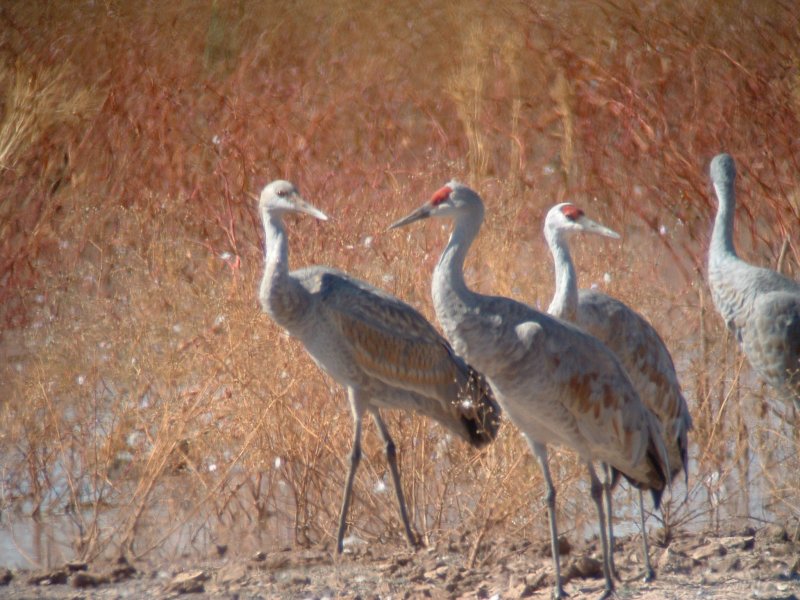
x: 301, y: 205
x: 590, y: 226
x: 423, y: 212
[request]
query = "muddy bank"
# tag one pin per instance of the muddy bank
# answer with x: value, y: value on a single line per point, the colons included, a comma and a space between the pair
x: 740, y: 564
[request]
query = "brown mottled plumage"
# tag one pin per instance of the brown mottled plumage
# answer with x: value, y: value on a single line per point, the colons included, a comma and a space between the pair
x: 556, y: 383
x: 383, y: 351
x: 626, y: 333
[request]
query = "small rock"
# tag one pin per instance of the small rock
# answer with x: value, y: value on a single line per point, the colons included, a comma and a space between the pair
x: 6, y: 576
x: 584, y: 567
x: 738, y: 542
x: 76, y: 565
x: 536, y: 580
x: 84, y: 579
x: 189, y: 582
x: 56, y: 577
x: 709, y: 550
x: 259, y: 557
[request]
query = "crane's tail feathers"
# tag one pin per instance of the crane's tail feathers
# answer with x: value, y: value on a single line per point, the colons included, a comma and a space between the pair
x: 479, y: 411
x: 657, y: 476
x: 656, y: 495
x: 615, y: 475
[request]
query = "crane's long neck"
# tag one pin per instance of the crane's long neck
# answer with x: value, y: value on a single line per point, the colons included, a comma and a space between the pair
x: 451, y: 296
x: 281, y: 296
x: 722, y: 236
x: 565, y: 299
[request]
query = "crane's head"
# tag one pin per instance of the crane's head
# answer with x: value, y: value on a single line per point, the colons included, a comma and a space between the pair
x: 452, y: 200
x: 723, y: 169
x: 281, y: 197
x: 567, y: 218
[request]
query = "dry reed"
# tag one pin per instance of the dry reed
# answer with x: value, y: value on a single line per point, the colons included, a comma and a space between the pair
x: 143, y: 386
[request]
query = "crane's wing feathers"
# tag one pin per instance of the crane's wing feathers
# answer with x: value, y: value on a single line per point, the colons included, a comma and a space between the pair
x: 388, y: 338
x: 606, y: 408
x: 771, y: 340
x: 647, y: 362
x: 590, y: 396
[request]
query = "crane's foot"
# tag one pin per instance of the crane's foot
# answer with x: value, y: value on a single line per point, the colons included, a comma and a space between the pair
x: 559, y: 593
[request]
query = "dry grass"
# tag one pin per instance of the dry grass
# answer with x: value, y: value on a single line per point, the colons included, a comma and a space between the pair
x: 144, y: 386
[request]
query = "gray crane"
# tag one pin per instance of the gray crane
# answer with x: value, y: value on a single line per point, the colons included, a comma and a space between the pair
x: 557, y: 384
x: 630, y: 336
x: 760, y: 306
x: 384, y: 352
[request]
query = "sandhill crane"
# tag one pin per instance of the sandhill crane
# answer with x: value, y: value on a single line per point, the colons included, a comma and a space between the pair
x: 760, y: 306
x: 385, y: 353
x: 630, y: 336
x: 556, y: 383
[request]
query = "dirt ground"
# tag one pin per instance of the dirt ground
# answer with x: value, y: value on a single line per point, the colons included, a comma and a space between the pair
x: 739, y: 565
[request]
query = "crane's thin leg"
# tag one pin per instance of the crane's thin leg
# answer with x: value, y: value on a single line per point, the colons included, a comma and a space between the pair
x: 391, y: 457
x: 357, y: 409
x: 608, y: 483
x: 597, y: 497
x: 540, y: 451
x: 649, y: 573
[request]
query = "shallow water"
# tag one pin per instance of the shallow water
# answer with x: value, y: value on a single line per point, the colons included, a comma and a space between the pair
x: 714, y: 498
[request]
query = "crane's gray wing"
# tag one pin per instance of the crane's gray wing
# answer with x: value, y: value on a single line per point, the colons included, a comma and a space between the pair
x: 771, y: 340
x: 618, y: 428
x: 647, y: 362
x: 387, y: 338
x: 590, y: 395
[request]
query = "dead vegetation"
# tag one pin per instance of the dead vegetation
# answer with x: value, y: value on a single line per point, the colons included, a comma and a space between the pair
x: 144, y: 388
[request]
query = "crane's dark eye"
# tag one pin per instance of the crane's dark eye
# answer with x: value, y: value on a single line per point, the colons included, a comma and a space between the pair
x: 282, y: 193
